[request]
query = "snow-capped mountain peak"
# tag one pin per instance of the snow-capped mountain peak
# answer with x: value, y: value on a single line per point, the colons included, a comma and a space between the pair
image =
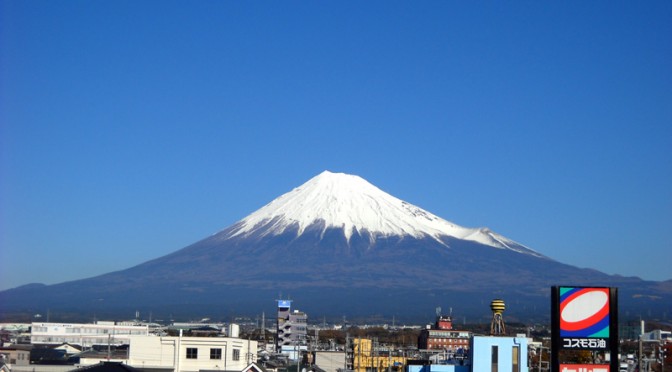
x: 338, y: 200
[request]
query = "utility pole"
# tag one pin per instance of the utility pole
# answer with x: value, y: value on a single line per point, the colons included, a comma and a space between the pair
x: 641, y: 353
x: 347, y: 349
x: 298, y: 360
x: 359, y: 354
x: 374, y: 346
x: 389, y: 359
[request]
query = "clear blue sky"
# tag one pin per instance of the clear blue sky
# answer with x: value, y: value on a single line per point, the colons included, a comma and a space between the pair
x: 131, y: 129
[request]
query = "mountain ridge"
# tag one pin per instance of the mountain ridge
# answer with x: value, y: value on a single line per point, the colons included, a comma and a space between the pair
x: 334, y: 265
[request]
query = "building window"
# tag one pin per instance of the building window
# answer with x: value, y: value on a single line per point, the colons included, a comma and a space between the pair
x: 217, y: 354
x: 192, y: 353
x: 494, y: 358
x: 236, y: 354
x: 515, y: 358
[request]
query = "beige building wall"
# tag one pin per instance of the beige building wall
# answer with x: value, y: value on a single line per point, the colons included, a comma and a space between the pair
x: 15, y: 357
x: 191, y: 354
x: 330, y: 361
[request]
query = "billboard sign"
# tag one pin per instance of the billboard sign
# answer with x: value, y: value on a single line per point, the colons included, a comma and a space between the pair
x: 284, y: 303
x: 584, y: 318
x: 584, y: 368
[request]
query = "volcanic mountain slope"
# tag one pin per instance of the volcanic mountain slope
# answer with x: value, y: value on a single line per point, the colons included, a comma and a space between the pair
x: 340, y: 244
x: 340, y: 231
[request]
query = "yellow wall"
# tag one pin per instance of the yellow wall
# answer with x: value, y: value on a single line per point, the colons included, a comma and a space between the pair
x: 363, y: 358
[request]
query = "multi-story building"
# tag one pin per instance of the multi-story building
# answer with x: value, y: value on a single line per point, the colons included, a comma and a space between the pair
x: 292, y: 326
x: 443, y: 337
x: 84, y: 335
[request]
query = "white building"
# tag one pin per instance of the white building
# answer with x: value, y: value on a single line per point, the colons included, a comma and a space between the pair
x: 84, y: 335
x: 191, y: 354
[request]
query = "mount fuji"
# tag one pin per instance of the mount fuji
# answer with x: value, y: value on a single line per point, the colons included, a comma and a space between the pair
x: 337, y: 245
x: 351, y: 204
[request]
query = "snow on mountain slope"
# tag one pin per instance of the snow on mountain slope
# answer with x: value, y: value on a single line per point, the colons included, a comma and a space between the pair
x: 351, y: 203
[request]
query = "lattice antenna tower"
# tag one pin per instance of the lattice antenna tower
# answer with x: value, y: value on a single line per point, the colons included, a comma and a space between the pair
x: 263, y: 327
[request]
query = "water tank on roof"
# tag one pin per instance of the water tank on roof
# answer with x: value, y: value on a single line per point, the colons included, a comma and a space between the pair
x: 234, y: 330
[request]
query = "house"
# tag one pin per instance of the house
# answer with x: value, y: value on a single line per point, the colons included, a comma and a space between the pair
x: 107, y: 367
x: 254, y: 367
x: 68, y: 349
x: 97, y: 355
x: 16, y: 355
x: 45, y: 355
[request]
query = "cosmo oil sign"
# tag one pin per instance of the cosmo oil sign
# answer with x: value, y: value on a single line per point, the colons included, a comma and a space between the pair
x: 584, y: 318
